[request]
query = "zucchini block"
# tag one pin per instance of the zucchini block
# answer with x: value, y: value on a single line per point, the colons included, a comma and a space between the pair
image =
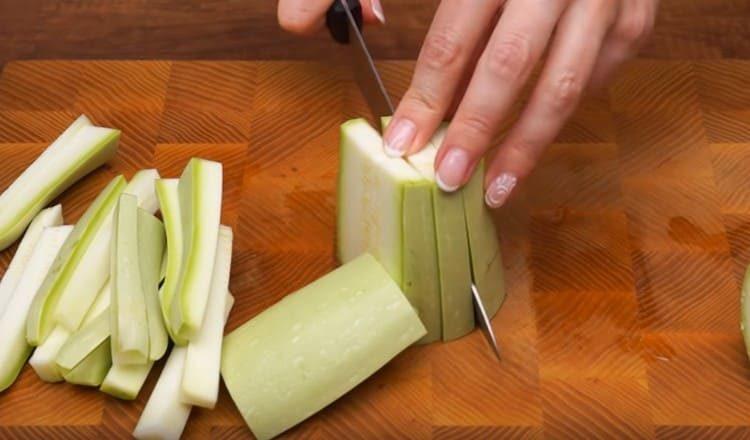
x: 385, y: 208
x: 128, y: 315
x: 200, y: 193
x: 484, y: 246
x: 48, y: 217
x: 315, y: 345
x: 125, y: 381
x: 80, y: 149
x: 200, y: 379
x: 77, y: 268
x: 169, y: 202
x: 14, y: 350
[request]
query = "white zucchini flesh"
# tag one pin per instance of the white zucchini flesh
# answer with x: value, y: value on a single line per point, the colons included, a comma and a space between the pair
x: 316, y: 344
x: 370, y: 199
x: 14, y: 349
x: 129, y: 318
x: 200, y: 190
x: 63, y: 277
x: 169, y: 202
x: 126, y: 381
x: 48, y: 217
x: 165, y: 415
x: 151, y: 244
x: 43, y: 361
x: 200, y: 380
x: 79, y: 150
x: 82, y: 343
x: 92, y: 272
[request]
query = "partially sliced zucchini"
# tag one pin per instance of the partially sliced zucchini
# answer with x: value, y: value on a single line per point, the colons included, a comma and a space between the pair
x: 14, y: 350
x: 48, y: 217
x: 484, y: 246
x: 93, y: 270
x: 200, y: 379
x: 315, y: 345
x: 79, y: 150
x: 68, y: 274
x: 92, y: 370
x: 129, y: 318
x: 169, y: 202
x: 200, y: 190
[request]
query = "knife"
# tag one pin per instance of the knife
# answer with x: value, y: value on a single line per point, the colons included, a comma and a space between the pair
x: 344, y: 20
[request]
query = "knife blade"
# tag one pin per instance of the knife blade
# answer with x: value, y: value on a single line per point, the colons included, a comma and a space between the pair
x: 371, y: 84
x: 365, y: 72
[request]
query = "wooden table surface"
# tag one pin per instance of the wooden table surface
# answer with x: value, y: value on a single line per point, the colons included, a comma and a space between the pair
x: 624, y: 251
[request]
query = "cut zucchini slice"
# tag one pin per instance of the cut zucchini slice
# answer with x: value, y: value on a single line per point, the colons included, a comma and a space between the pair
x: 315, y: 345
x: 143, y: 186
x: 83, y: 342
x: 484, y: 246
x: 200, y: 380
x: 81, y: 250
x: 48, y: 217
x: 126, y: 381
x: 129, y: 318
x: 200, y: 191
x: 151, y: 244
x: 14, y: 350
x: 169, y: 202
x: 80, y: 149
x: 92, y: 370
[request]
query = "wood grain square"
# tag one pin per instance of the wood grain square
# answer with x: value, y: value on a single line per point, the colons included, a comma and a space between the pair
x: 687, y: 371
x: 34, y: 126
x: 580, y: 251
x: 722, y: 85
x: 171, y: 159
x: 505, y: 394
x: 731, y: 163
x: 487, y: 432
x: 738, y: 235
x: 39, y: 85
x: 590, y: 123
x: 588, y: 335
x: 664, y: 87
x: 212, y: 86
x: 596, y: 408
x: 586, y: 178
x: 727, y: 125
x: 667, y: 145
x: 123, y: 85
x: 673, y: 214
x: 312, y: 87
x: 138, y: 132
x: 712, y: 432
x: 687, y: 291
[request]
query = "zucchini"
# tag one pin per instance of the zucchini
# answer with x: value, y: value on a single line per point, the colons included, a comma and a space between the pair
x: 200, y: 191
x: 14, y: 349
x: 200, y: 379
x: 80, y: 149
x: 48, y: 217
x: 92, y: 370
x: 126, y: 381
x: 151, y: 242
x: 82, y: 343
x: 169, y: 202
x: 315, y: 345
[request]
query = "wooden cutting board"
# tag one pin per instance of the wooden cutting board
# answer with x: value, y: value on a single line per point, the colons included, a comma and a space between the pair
x: 624, y: 251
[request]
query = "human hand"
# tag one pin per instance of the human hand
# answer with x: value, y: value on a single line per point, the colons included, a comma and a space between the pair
x: 476, y: 58
x: 306, y: 17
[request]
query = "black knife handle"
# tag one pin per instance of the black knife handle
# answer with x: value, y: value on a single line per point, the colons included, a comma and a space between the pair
x: 337, y: 21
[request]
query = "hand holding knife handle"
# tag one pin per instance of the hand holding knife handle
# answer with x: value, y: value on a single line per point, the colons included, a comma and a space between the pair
x: 337, y: 21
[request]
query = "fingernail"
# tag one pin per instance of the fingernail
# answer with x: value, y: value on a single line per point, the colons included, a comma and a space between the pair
x: 452, y: 169
x: 499, y: 190
x: 400, y: 137
x: 377, y: 9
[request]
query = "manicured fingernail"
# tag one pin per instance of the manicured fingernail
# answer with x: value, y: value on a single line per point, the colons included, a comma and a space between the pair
x: 377, y: 9
x: 452, y: 169
x: 400, y: 137
x: 499, y: 190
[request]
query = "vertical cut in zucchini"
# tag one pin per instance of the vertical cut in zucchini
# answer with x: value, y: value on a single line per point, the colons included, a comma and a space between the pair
x: 65, y: 275
x: 315, y: 345
x: 151, y: 243
x: 169, y: 202
x: 200, y: 380
x: 484, y: 246
x: 14, y: 350
x: 80, y: 149
x: 200, y: 191
x: 129, y: 318
x: 48, y: 217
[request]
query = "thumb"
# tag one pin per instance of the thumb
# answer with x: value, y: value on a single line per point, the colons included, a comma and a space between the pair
x: 306, y: 17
